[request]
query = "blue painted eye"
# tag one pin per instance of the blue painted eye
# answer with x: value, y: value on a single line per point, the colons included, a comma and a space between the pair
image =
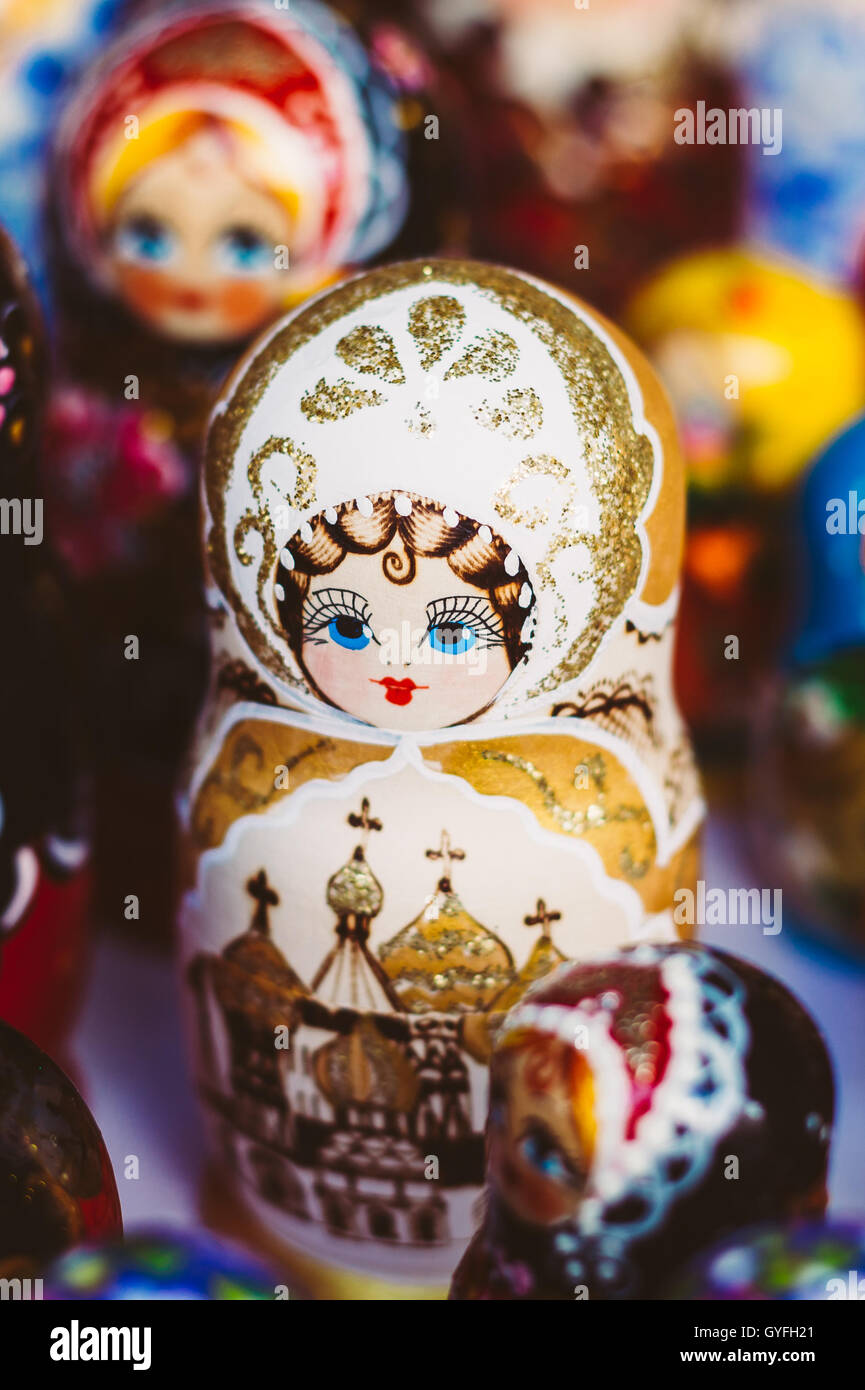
x: 349, y: 632
x: 541, y: 1155
x: 452, y: 638
x: 242, y: 251
x: 146, y: 239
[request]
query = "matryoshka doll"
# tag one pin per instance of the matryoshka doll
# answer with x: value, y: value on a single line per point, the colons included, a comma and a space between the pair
x: 222, y: 162
x: 641, y: 1109
x: 43, y: 881
x: 764, y: 361
x: 440, y: 752
x: 58, y: 1185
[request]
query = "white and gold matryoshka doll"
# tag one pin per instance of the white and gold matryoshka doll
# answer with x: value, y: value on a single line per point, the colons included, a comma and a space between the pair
x: 444, y: 514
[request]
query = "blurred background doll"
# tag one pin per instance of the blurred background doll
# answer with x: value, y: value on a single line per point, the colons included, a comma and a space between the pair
x: 764, y: 360
x: 43, y: 876
x: 807, y: 774
x: 808, y: 61
x: 218, y: 165
x: 568, y: 120
x: 43, y: 46
x: 797, y: 1261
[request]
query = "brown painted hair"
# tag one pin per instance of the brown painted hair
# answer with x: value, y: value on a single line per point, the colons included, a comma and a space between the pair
x: 423, y: 532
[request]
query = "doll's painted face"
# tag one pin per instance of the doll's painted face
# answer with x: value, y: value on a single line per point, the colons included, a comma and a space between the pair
x: 541, y: 1130
x: 395, y: 635
x: 193, y: 244
x: 427, y: 655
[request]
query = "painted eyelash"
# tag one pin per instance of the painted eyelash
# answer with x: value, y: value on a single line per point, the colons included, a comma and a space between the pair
x: 474, y: 612
x: 324, y: 605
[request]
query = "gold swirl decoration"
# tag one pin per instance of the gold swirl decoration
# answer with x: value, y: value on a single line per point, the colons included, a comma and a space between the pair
x: 259, y: 763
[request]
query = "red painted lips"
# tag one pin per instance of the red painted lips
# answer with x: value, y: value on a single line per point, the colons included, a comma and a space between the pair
x: 398, y: 692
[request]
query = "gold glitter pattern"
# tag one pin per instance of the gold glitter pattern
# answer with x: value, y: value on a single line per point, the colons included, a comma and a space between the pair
x: 303, y: 492
x: 242, y: 778
x: 355, y: 888
x: 435, y: 323
x: 570, y: 786
x: 494, y: 355
x: 597, y: 813
x: 421, y: 421
x: 371, y: 350
x: 518, y: 416
x: 541, y: 465
x: 337, y: 401
x: 445, y: 960
x: 619, y: 460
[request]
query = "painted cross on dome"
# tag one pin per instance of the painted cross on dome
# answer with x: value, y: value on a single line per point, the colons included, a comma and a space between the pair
x: 445, y: 851
x: 542, y: 918
x: 265, y: 898
x: 364, y: 821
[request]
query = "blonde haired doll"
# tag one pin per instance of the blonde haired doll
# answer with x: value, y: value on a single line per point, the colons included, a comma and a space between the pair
x: 223, y: 163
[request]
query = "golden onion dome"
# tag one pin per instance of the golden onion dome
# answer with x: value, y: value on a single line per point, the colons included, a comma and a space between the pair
x: 355, y: 888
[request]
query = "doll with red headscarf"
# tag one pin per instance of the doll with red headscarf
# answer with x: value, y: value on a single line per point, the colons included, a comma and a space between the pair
x: 220, y: 163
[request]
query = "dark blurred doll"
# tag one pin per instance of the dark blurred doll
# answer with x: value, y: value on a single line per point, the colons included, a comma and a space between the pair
x: 568, y: 119
x: 43, y: 885
x: 641, y: 1108
x: 58, y: 1186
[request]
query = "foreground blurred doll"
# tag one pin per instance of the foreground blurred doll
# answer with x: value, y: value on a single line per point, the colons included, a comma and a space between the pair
x: 763, y: 362
x: 58, y: 1185
x: 641, y: 1108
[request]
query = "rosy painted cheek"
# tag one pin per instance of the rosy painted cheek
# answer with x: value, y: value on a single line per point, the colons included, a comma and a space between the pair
x: 148, y: 292
x: 338, y: 673
x: 244, y: 304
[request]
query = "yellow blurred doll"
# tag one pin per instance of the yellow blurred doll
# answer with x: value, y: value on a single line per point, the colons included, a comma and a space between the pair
x: 762, y: 360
